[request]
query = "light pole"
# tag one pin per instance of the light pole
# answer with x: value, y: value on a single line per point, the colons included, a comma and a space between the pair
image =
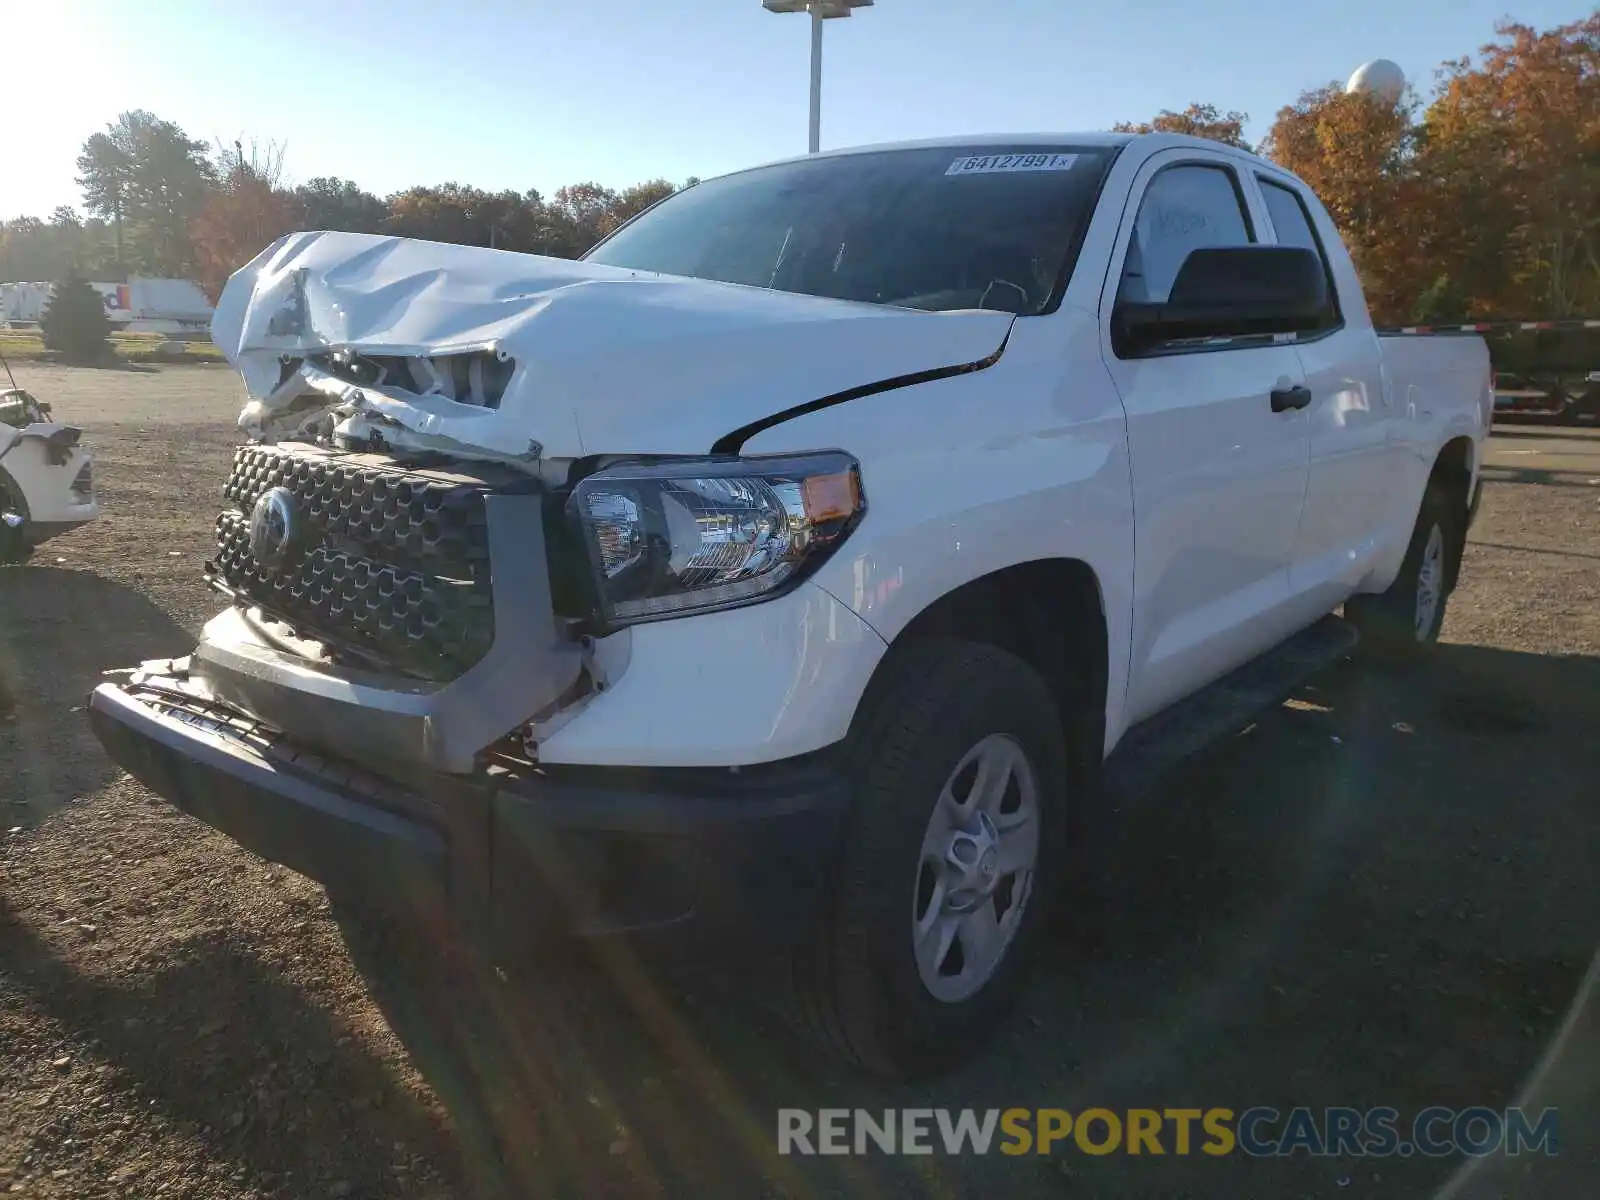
x: 820, y: 11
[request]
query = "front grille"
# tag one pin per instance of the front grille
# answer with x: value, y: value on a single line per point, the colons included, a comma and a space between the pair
x: 388, y: 564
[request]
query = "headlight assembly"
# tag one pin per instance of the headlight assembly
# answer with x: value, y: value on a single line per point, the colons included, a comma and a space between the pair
x: 670, y: 538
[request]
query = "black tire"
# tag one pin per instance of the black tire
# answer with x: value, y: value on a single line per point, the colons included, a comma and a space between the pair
x: 14, y: 547
x: 856, y: 977
x: 1585, y: 409
x: 1390, y: 623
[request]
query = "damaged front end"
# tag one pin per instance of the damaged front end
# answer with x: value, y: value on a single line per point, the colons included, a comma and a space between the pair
x: 360, y: 341
x: 422, y: 401
x: 409, y: 587
x: 393, y: 612
x: 46, y: 476
x: 374, y: 402
x: 382, y: 541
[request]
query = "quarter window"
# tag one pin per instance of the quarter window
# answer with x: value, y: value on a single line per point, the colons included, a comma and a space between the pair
x: 1289, y: 218
x: 1292, y: 223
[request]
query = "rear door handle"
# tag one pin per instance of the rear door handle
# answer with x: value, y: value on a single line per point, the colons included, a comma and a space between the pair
x: 1284, y: 399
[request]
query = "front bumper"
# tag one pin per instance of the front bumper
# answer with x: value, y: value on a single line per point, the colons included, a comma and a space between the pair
x: 680, y: 856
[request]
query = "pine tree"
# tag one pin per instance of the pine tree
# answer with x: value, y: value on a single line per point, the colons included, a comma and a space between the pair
x: 75, y: 324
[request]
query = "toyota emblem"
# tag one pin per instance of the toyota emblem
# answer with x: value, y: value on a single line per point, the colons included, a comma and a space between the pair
x: 273, y: 527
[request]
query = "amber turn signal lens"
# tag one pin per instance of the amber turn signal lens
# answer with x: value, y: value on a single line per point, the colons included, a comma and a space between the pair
x: 832, y: 497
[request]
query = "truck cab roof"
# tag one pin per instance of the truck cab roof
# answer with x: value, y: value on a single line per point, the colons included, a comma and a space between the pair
x: 1148, y: 143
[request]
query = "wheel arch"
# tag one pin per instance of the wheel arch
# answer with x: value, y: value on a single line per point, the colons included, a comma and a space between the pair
x: 1048, y: 612
x: 9, y: 484
x: 1456, y: 464
x: 1452, y: 476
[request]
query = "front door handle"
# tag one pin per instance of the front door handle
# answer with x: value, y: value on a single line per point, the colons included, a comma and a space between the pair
x: 1285, y: 399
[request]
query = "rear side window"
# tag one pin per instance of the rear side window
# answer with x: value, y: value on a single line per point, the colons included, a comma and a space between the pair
x: 1289, y: 218
x: 1185, y: 208
x: 1293, y: 225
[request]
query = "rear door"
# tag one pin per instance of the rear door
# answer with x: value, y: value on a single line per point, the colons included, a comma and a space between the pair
x: 1218, y: 477
x: 1349, y: 489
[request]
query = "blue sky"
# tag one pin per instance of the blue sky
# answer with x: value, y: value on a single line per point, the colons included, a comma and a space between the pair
x: 537, y: 93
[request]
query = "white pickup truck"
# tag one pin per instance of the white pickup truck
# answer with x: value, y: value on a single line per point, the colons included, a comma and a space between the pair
x: 799, y: 569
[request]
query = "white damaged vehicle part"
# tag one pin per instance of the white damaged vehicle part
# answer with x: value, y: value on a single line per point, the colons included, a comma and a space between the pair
x: 498, y: 355
x: 46, y: 481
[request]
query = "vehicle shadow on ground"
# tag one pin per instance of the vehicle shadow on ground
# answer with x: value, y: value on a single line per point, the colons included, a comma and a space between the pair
x: 1380, y: 894
x: 59, y: 630
x: 1538, y: 426
x: 1535, y: 550
x: 1565, y: 477
x: 111, y: 363
x: 231, y: 1055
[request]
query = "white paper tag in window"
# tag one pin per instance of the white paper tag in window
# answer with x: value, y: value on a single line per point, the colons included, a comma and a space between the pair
x: 994, y: 164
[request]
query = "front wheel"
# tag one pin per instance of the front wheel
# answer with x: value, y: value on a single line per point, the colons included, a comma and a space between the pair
x: 14, y: 547
x: 951, y: 852
x: 1406, y: 619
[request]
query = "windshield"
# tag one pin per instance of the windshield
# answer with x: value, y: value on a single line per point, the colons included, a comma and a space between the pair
x: 942, y: 228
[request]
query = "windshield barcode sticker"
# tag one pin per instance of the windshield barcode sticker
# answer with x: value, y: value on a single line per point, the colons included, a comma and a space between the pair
x: 989, y: 164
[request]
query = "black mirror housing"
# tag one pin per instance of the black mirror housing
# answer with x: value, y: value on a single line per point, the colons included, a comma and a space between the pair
x: 1231, y: 291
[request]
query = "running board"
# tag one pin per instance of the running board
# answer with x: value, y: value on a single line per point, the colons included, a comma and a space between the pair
x: 1155, y: 747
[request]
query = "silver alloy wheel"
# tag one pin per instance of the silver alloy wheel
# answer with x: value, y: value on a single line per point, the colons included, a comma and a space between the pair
x: 975, y: 871
x: 1430, y: 582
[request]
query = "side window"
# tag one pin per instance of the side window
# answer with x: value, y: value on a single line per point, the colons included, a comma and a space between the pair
x: 1184, y: 208
x: 1293, y: 225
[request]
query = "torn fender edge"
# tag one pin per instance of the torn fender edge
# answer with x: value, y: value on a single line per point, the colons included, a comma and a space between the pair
x: 400, y: 418
x: 732, y: 443
x: 59, y: 440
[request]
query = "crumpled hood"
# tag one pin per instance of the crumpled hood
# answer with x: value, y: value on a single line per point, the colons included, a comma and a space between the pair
x: 606, y: 360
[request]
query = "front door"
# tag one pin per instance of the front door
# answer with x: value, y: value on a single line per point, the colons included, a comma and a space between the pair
x: 1219, y: 477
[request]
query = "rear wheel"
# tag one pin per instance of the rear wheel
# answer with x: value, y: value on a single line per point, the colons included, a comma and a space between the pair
x: 1405, y: 620
x: 951, y: 852
x: 1585, y: 409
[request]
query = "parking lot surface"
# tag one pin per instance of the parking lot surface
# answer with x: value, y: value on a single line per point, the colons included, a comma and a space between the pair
x: 1380, y: 894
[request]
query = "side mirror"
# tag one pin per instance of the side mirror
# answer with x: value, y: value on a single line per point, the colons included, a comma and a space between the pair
x: 1231, y: 291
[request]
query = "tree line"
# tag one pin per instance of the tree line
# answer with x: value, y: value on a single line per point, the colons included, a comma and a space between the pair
x: 1484, y: 202
x: 1480, y: 203
x: 159, y: 203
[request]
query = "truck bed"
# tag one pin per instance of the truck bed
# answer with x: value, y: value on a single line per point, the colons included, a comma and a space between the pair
x: 1432, y: 373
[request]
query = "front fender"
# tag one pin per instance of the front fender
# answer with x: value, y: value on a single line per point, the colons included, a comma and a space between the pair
x: 967, y: 476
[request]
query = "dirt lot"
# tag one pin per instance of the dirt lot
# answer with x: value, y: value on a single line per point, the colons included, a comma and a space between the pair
x: 1381, y: 894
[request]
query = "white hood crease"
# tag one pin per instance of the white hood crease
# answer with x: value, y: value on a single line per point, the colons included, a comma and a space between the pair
x: 606, y: 360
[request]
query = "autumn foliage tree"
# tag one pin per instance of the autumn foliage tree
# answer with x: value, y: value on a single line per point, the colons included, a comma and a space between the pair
x: 1198, y: 120
x: 1512, y: 151
x: 242, y: 216
x: 1485, y: 207
x: 1358, y: 154
x: 237, y: 222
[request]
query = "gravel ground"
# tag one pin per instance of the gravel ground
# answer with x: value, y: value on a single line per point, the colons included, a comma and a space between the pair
x: 1382, y: 893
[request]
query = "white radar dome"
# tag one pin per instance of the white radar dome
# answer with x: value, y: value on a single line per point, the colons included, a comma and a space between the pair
x: 1380, y: 78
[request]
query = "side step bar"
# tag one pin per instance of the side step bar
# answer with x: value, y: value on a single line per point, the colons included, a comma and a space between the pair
x: 1157, y: 746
